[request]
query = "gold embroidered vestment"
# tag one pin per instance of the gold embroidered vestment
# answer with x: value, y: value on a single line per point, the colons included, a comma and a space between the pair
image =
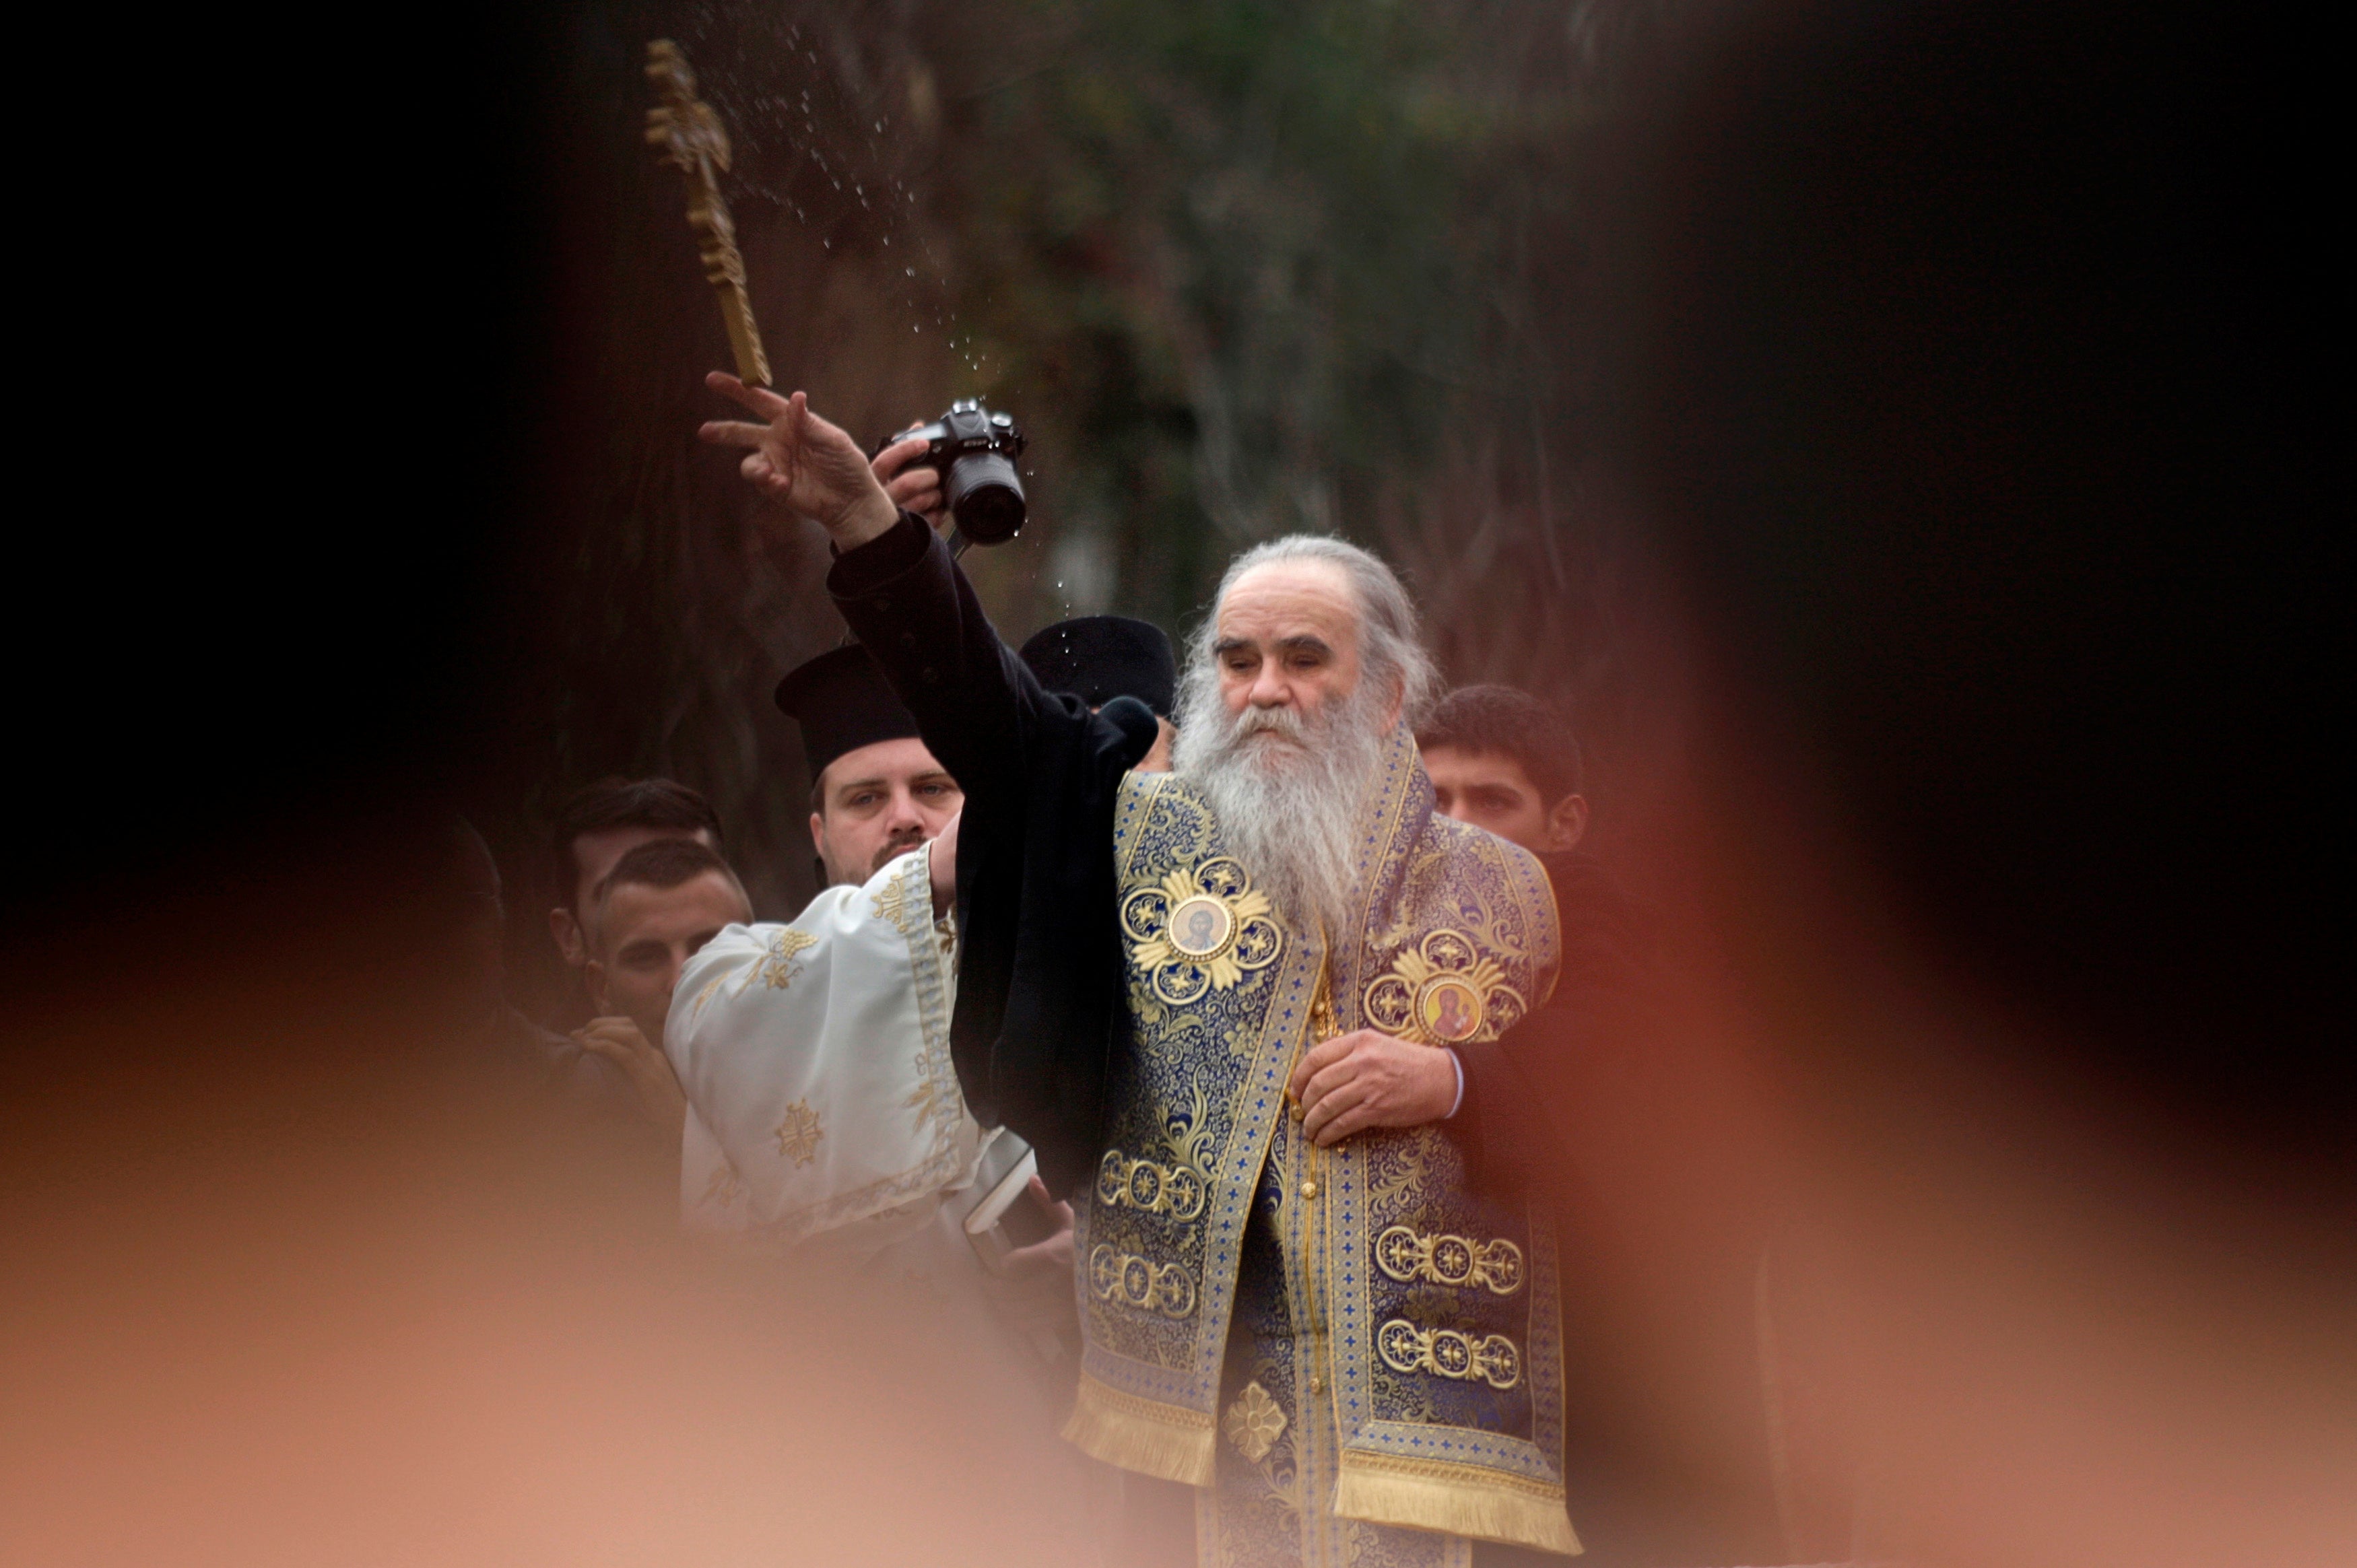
x: 1354, y: 1352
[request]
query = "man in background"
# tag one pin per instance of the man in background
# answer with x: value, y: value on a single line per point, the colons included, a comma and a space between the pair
x: 660, y: 903
x: 600, y: 824
x: 876, y: 791
x: 466, y: 972
x: 1500, y: 759
x: 595, y: 828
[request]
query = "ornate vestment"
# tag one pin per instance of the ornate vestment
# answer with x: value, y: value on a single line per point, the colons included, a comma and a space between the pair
x: 815, y: 1058
x: 1346, y: 1348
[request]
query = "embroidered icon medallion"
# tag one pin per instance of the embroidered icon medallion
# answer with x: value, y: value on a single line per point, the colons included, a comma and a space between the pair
x: 1200, y: 931
x: 1441, y: 992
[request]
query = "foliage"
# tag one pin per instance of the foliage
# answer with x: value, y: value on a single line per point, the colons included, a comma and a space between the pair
x: 1240, y: 267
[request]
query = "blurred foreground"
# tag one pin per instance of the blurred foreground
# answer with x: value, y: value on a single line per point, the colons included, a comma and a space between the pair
x: 1972, y: 705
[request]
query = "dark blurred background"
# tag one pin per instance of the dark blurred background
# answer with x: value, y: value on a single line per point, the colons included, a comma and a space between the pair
x: 434, y: 515
x: 1971, y: 385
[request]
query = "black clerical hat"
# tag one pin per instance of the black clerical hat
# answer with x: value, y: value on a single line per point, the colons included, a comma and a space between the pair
x: 1099, y: 657
x: 843, y: 704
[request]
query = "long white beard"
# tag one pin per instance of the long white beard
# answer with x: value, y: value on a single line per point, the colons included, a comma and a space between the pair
x: 1289, y: 811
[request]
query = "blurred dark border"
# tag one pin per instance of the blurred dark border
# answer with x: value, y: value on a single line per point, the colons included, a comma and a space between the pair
x: 295, y: 345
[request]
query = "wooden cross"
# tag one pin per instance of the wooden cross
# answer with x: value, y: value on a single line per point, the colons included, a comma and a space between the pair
x: 691, y: 136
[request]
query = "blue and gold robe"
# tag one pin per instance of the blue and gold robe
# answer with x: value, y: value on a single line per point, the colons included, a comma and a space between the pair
x: 1355, y: 1354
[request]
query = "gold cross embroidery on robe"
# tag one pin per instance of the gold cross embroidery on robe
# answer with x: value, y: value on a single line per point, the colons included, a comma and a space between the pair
x: 778, y: 967
x: 799, y: 1133
x: 724, y: 1187
x: 1254, y: 1423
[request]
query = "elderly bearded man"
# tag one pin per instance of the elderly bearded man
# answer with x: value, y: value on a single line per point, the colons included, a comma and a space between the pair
x: 1314, y: 1319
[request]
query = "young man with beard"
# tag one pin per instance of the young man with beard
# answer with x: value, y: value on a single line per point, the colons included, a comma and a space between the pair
x: 1293, y: 1298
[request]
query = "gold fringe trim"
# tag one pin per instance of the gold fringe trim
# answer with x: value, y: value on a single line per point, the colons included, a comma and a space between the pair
x: 1455, y: 1499
x: 1166, y: 1441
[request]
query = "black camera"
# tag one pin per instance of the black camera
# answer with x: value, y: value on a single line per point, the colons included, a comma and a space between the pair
x: 974, y: 452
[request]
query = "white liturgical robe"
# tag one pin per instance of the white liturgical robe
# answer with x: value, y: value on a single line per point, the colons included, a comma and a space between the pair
x: 824, y: 1116
x: 815, y: 1058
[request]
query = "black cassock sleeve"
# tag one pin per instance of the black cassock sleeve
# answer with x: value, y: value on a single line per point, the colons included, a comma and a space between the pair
x: 1038, y: 1011
x: 1524, y: 1093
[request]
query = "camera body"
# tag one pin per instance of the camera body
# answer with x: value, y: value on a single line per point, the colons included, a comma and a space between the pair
x: 975, y: 451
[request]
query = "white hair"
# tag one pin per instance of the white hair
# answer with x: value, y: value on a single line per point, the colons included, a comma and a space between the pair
x: 1293, y: 821
x: 1391, y: 634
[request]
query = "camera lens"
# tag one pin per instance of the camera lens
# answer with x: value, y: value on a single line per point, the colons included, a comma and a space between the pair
x: 985, y: 497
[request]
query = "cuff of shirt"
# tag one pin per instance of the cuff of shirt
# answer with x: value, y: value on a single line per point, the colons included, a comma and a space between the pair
x: 1458, y: 1104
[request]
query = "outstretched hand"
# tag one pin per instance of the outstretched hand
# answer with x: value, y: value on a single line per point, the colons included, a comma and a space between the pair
x: 797, y: 458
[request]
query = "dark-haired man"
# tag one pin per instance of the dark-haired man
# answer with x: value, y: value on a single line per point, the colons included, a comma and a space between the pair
x: 600, y: 823
x: 660, y: 903
x: 1500, y: 759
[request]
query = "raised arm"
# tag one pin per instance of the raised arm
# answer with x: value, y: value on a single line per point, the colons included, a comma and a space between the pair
x: 973, y: 701
x: 1036, y: 1018
x: 1036, y: 1015
x: 802, y: 462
